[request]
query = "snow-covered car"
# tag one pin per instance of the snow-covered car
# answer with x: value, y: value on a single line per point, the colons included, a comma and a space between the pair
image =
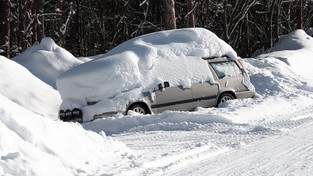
x: 169, y: 70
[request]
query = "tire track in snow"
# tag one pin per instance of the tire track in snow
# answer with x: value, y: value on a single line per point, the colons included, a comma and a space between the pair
x: 290, y: 153
x: 161, y: 152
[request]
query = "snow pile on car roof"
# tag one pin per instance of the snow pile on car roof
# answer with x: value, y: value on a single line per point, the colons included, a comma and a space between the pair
x: 294, y: 49
x: 47, y: 60
x: 144, y: 62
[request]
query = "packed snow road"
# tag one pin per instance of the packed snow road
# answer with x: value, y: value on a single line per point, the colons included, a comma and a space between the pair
x: 290, y: 153
x: 266, y: 148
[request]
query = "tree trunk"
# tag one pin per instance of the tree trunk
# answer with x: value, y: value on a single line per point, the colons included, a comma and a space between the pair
x: 39, y: 20
x: 5, y: 27
x: 225, y: 21
x: 289, y: 16
x: 22, y: 41
x: 35, y: 24
x: 248, y: 33
x: 78, y: 23
x: 207, y: 12
x: 191, y: 22
x: 278, y: 21
x: 299, y: 14
x: 169, y: 14
x: 270, y: 23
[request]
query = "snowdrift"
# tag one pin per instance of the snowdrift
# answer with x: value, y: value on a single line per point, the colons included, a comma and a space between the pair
x: 32, y: 145
x: 33, y: 142
x: 26, y: 90
x: 295, y: 50
x: 139, y: 65
x: 47, y: 60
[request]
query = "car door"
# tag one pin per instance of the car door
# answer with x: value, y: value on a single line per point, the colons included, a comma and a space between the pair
x: 175, y: 98
x: 204, y: 94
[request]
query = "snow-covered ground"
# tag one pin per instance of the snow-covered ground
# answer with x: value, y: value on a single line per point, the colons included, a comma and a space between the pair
x: 270, y: 134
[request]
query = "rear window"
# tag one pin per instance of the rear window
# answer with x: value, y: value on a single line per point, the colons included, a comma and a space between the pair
x: 226, y: 69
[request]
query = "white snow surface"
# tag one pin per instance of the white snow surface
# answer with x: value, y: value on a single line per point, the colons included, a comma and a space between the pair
x: 47, y: 60
x: 294, y: 49
x: 270, y: 134
x: 139, y: 65
x: 17, y: 83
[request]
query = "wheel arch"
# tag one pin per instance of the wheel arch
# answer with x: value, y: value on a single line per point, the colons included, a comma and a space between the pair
x: 225, y: 92
x: 143, y: 104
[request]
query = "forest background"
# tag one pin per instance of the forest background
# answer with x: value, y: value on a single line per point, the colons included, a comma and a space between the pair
x: 91, y: 27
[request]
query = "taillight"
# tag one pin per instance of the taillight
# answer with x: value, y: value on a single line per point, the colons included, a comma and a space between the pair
x: 62, y: 115
x: 239, y: 63
x: 77, y: 113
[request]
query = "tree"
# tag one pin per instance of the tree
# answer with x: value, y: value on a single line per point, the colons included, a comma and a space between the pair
x: 37, y: 28
x: 86, y: 27
x: 300, y: 14
x: 5, y: 12
x: 169, y: 14
x: 191, y: 22
x: 39, y: 19
x: 236, y: 24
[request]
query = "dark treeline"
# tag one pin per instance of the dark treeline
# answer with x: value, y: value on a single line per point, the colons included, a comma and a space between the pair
x: 90, y: 27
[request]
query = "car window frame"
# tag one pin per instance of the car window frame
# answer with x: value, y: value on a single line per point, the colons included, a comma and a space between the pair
x: 220, y: 74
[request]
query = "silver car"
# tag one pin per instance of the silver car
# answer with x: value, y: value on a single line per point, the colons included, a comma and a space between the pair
x: 231, y: 82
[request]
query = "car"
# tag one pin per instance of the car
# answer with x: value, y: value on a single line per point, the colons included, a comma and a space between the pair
x: 230, y: 82
x: 177, y: 70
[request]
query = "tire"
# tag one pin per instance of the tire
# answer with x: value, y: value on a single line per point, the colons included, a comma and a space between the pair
x: 138, y: 108
x: 225, y: 97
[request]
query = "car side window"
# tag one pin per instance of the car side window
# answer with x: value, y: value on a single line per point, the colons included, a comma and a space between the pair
x: 226, y: 69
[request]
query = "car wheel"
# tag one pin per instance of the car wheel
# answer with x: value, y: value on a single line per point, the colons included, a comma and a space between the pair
x: 225, y: 97
x: 138, y: 108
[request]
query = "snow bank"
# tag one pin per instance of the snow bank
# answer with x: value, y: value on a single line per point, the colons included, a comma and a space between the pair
x: 33, y: 142
x: 142, y: 63
x: 295, y: 40
x: 295, y: 50
x: 47, y: 60
x: 167, y: 121
x: 32, y: 145
x: 23, y: 88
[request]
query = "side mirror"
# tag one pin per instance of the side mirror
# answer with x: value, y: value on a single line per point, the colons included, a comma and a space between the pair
x: 166, y: 84
x: 160, y: 86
